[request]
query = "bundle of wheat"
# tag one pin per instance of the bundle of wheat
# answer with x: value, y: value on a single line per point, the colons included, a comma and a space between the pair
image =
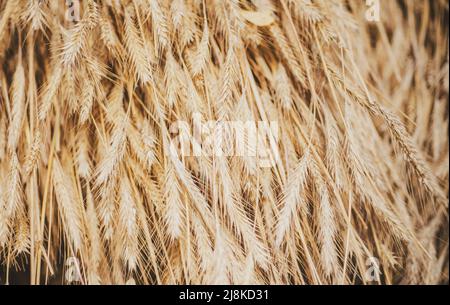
x: 347, y: 182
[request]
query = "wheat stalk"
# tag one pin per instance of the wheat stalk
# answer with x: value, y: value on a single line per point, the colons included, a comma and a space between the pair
x: 354, y: 167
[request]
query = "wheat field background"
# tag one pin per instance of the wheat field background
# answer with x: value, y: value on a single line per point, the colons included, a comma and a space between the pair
x: 356, y: 190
